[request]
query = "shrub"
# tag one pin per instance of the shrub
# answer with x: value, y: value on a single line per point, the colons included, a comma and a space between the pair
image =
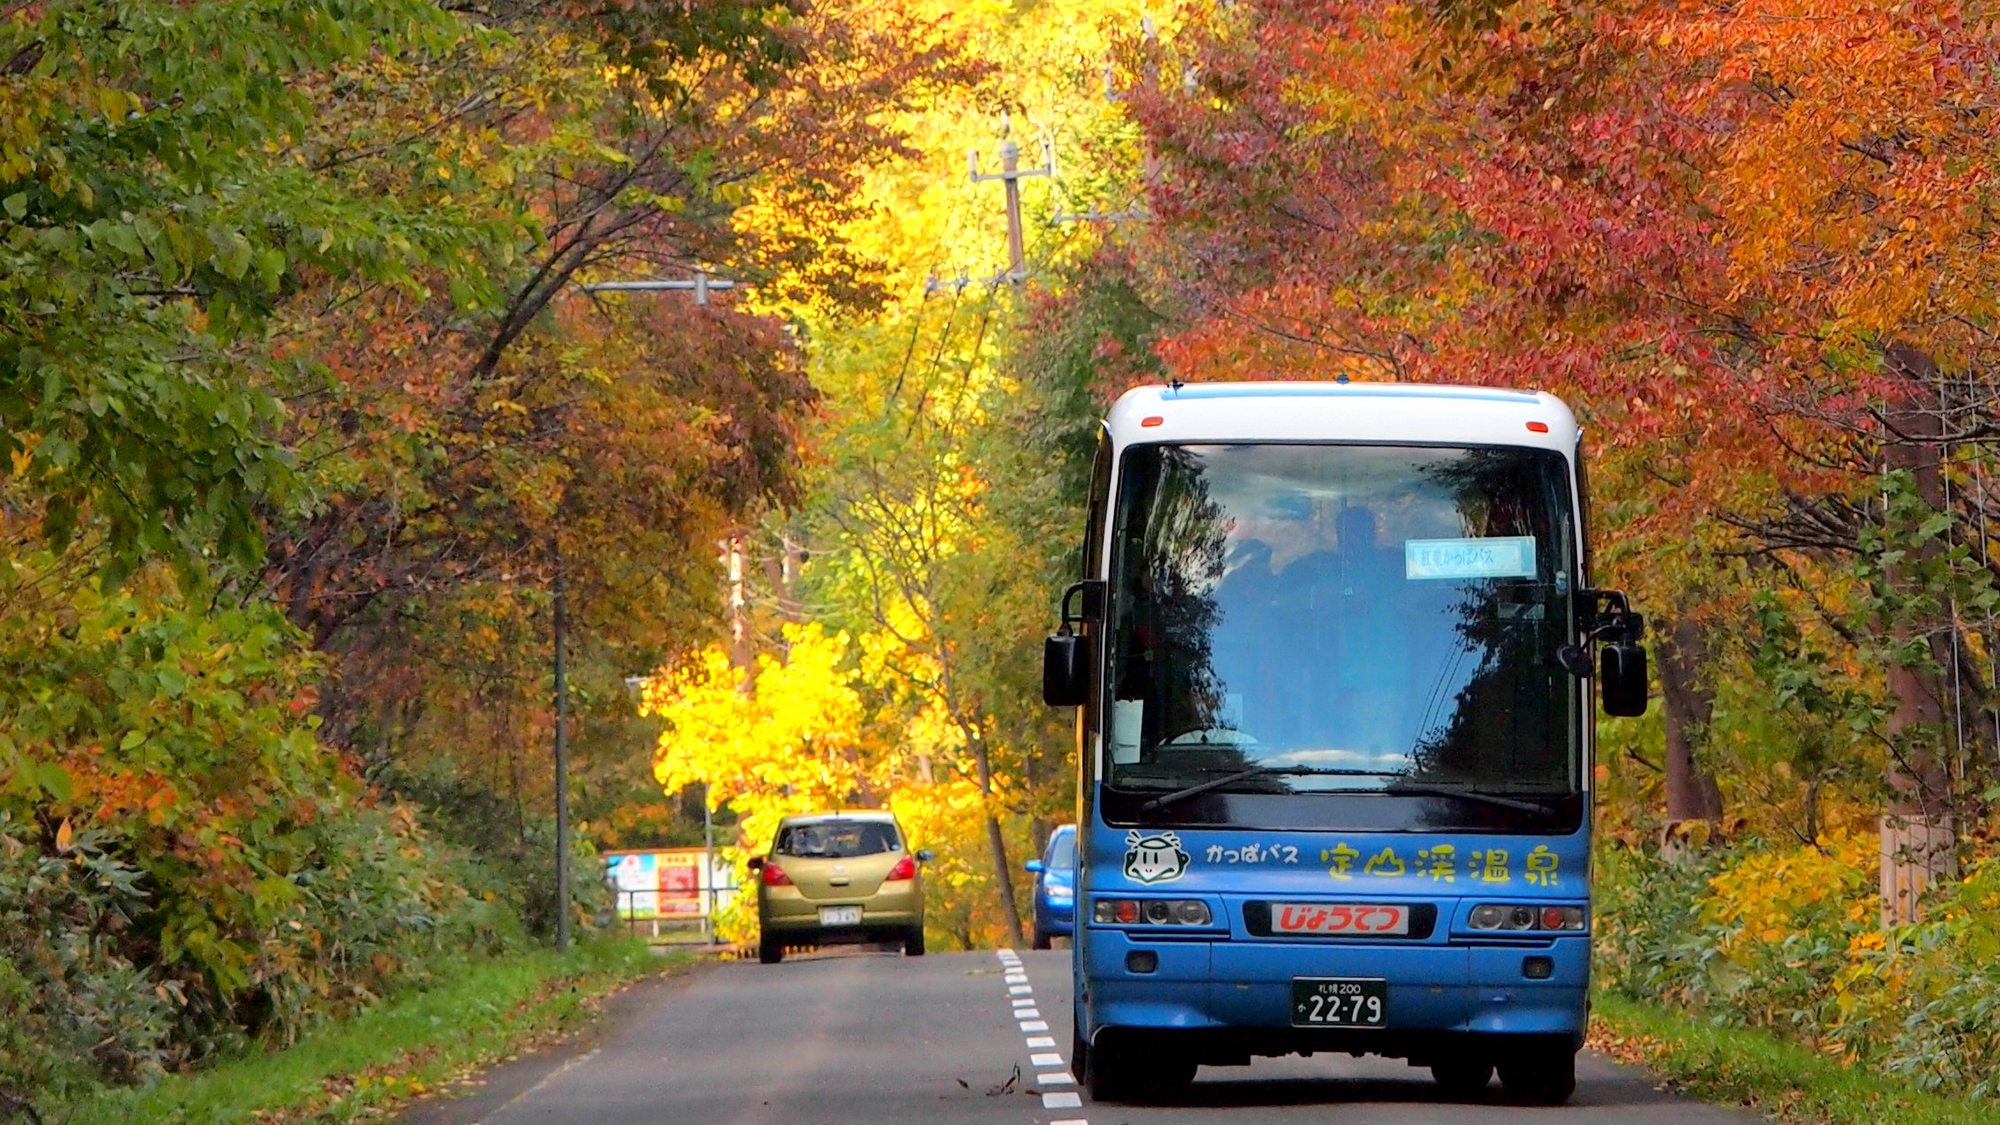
x: 74, y: 1009
x: 185, y: 869
x: 1791, y: 939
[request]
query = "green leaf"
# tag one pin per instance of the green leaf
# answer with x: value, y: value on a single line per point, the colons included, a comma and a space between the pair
x: 54, y: 780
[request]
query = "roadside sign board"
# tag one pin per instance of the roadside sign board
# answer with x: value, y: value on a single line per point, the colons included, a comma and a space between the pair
x: 668, y: 882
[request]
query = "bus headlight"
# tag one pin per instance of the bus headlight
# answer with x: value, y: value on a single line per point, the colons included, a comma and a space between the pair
x: 1523, y: 916
x: 1150, y: 912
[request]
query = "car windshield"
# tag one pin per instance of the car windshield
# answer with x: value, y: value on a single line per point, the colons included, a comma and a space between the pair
x: 1062, y: 852
x: 837, y: 839
x: 1341, y: 619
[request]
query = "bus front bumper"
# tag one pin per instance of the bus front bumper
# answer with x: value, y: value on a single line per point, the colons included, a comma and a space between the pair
x: 1240, y: 992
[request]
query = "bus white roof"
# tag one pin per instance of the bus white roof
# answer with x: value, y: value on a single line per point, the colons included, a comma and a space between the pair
x: 1322, y: 411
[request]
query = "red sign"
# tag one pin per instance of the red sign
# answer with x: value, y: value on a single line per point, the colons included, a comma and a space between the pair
x: 680, y: 886
x: 1339, y: 918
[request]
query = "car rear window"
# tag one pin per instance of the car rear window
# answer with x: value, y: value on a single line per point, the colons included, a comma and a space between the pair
x: 837, y: 839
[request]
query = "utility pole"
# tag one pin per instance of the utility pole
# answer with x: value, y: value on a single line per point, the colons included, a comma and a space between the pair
x: 700, y: 284
x: 1112, y: 93
x: 708, y: 863
x: 1011, y: 173
x: 742, y: 653
x: 562, y: 762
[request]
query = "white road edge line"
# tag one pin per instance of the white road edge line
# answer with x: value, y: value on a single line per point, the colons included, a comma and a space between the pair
x: 567, y: 1066
x: 1046, y: 1059
x: 1034, y: 1025
x: 1041, y: 1041
x: 1019, y: 989
x: 1054, y: 1078
x: 1062, y: 1100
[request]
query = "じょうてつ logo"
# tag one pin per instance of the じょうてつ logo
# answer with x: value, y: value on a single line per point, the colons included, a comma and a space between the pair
x: 1154, y: 857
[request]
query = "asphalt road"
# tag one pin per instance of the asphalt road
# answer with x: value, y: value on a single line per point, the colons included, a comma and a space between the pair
x: 957, y: 1039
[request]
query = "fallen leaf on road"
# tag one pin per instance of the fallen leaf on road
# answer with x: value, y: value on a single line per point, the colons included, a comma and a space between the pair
x: 1007, y: 1086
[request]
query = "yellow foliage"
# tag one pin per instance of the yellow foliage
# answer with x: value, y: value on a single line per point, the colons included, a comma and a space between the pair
x: 1764, y: 897
x: 795, y: 745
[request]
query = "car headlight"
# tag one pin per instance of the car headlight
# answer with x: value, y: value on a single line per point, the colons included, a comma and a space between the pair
x: 1060, y: 893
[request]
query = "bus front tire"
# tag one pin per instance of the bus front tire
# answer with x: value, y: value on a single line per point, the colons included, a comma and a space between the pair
x: 1543, y: 1077
x: 1040, y: 940
x: 770, y: 951
x: 1462, y: 1079
x: 913, y: 942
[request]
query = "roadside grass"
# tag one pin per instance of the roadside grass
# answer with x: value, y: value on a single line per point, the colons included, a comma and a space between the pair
x: 1784, y: 1081
x: 367, y: 1067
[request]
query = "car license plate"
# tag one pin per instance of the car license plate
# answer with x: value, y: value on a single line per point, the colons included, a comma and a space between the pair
x: 1339, y: 918
x: 1340, y: 1002
x: 840, y: 916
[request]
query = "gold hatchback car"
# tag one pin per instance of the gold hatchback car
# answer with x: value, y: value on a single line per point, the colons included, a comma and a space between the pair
x: 839, y: 877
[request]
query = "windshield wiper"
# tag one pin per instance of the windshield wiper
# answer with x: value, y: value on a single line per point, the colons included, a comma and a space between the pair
x: 1165, y: 799
x: 1413, y: 789
x: 1421, y: 789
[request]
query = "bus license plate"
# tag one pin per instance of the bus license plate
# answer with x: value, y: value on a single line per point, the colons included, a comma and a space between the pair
x: 840, y: 916
x: 1339, y: 918
x: 1343, y: 1002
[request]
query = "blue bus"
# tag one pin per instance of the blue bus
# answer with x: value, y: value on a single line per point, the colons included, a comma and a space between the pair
x: 1334, y: 656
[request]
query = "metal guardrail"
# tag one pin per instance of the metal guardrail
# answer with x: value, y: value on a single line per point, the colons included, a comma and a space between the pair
x: 693, y: 926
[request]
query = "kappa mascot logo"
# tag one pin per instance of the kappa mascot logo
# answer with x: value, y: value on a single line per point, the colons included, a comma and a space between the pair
x: 1154, y: 858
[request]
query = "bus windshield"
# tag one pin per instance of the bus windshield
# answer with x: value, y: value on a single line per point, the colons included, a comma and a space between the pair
x: 1369, y: 631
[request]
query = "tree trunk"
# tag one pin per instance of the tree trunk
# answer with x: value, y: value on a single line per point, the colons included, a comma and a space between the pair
x: 1691, y: 791
x: 1917, y: 830
x: 1038, y: 825
x: 1003, y: 874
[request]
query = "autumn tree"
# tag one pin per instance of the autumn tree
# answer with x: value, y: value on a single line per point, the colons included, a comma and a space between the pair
x: 1760, y: 285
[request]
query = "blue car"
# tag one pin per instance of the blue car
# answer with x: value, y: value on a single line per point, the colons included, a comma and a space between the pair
x: 1055, y: 887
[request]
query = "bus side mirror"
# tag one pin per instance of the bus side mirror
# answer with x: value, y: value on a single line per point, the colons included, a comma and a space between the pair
x: 1065, y: 672
x: 756, y: 863
x: 923, y: 855
x: 1033, y: 865
x: 1066, y: 655
x: 1621, y: 679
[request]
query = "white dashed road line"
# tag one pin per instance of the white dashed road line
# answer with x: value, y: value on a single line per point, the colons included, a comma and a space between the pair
x: 1050, y: 1070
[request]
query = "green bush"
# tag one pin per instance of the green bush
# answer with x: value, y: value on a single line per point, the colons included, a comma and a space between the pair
x: 1790, y: 939
x: 514, y: 847
x: 74, y: 1008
